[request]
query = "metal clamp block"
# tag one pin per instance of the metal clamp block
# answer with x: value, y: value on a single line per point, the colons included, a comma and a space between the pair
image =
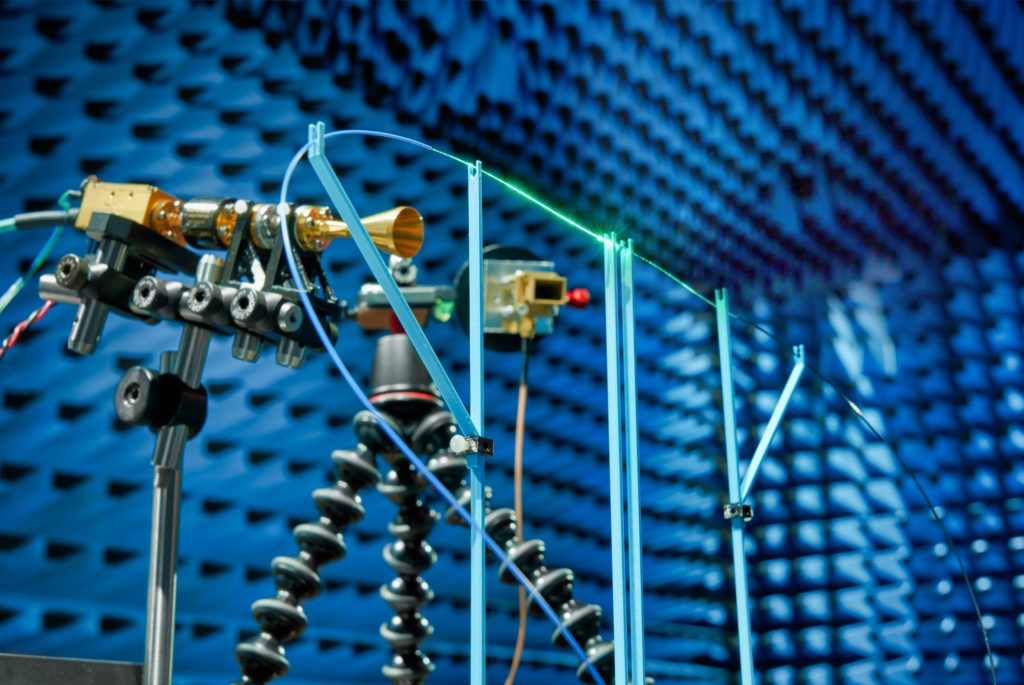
x: 461, y: 444
x: 731, y: 511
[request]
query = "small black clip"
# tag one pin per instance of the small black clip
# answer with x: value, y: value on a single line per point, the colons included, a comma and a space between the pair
x: 462, y: 444
x: 744, y: 511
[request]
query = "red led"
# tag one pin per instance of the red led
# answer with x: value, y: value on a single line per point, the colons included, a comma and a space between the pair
x: 578, y: 298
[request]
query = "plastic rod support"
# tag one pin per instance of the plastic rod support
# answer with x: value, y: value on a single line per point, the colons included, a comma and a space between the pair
x: 636, y: 586
x: 773, y: 423
x: 373, y: 258
x: 739, y: 556
x: 612, y: 313
x: 478, y: 505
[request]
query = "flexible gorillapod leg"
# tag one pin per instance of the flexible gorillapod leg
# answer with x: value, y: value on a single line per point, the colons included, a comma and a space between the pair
x: 410, y: 555
x: 281, y: 619
x: 583, y: 621
x: 409, y: 404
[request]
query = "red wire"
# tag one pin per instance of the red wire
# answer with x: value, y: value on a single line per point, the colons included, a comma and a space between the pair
x: 21, y: 327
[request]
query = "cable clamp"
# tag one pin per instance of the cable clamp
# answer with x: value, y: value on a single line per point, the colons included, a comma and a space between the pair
x: 461, y: 445
x: 744, y: 511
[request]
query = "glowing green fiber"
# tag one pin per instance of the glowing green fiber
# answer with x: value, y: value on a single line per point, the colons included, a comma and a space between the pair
x: 575, y: 224
x: 522, y: 193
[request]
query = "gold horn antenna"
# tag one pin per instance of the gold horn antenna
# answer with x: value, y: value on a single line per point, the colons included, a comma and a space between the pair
x: 398, y: 231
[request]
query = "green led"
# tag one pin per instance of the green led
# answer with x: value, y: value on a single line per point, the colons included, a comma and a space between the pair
x: 443, y: 310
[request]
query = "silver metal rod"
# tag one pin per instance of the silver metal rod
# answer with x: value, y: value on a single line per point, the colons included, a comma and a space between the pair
x: 163, y: 551
x: 92, y: 314
x: 49, y: 289
x: 163, y: 569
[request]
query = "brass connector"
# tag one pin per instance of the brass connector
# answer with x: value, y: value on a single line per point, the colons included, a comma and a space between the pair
x: 134, y: 201
x: 539, y: 288
x: 398, y: 231
x: 210, y: 223
x: 536, y: 294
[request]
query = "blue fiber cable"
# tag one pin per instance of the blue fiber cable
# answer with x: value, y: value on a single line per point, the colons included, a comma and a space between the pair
x: 22, y: 280
x: 282, y: 209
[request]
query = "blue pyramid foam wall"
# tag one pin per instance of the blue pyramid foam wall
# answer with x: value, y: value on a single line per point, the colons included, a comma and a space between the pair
x: 781, y: 148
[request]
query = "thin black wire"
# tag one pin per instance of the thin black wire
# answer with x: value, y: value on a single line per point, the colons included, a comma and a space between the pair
x: 906, y: 468
x: 689, y: 288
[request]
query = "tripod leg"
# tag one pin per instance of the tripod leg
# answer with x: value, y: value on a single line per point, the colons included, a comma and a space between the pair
x: 410, y: 555
x: 262, y: 658
x: 583, y: 621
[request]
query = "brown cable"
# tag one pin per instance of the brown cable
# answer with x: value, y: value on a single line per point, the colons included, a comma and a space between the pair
x: 518, y: 476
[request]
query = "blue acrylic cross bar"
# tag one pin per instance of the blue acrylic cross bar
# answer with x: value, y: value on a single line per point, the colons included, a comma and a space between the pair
x: 738, y: 491
x: 732, y: 466
x: 636, y: 587
x: 612, y: 314
x: 380, y: 270
x: 477, y: 497
x: 469, y: 424
x: 773, y: 422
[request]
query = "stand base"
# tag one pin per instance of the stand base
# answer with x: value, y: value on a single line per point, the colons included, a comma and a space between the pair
x: 26, y: 669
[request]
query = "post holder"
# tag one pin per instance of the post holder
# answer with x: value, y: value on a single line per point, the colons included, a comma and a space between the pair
x: 462, y: 445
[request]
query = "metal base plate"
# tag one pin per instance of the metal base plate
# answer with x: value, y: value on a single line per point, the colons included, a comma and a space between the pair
x: 26, y: 669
